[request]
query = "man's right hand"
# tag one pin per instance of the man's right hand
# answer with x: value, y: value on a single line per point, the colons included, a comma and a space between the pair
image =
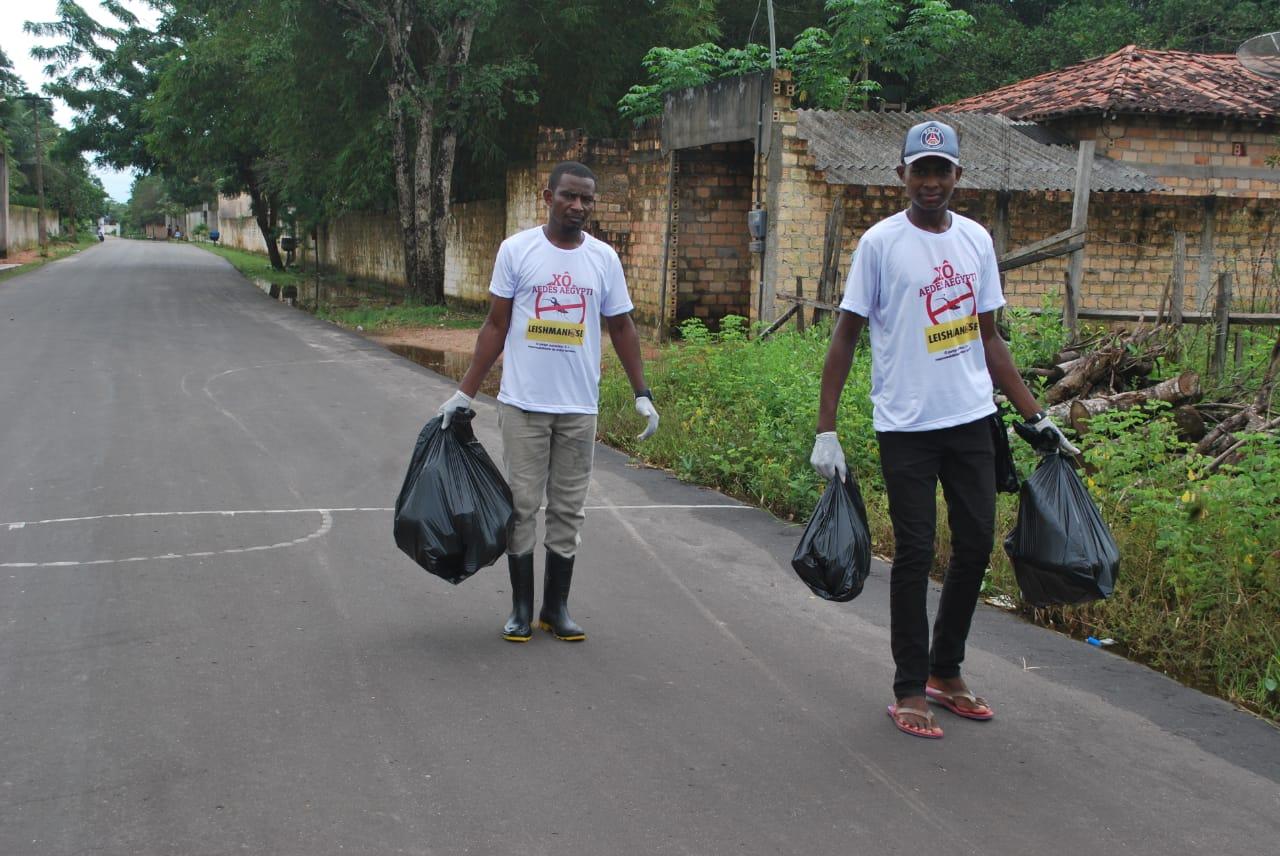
x: 828, y: 457
x: 460, y: 400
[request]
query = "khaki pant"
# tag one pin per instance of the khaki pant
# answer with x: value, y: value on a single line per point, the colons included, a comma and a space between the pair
x: 547, y: 454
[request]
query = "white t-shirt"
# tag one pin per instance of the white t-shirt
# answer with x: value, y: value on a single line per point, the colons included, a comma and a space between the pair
x: 921, y: 293
x: 551, y: 361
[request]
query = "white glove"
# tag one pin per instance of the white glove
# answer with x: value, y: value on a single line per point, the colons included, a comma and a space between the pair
x: 644, y: 406
x: 828, y: 457
x: 459, y: 401
x: 1045, y: 426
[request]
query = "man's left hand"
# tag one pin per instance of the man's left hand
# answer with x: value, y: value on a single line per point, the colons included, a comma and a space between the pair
x: 1045, y: 428
x: 644, y: 406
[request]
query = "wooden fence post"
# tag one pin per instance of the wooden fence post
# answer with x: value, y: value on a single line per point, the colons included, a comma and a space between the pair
x: 1079, y: 220
x: 800, y: 314
x: 1000, y: 237
x: 1179, y: 278
x: 1207, y: 239
x: 831, y: 246
x: 1221, y: 324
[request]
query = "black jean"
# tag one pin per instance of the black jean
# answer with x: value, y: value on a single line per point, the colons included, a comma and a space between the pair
x: 913, y: 463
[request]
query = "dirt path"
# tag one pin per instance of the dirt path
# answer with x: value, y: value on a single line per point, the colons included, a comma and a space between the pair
x: 436, y: 338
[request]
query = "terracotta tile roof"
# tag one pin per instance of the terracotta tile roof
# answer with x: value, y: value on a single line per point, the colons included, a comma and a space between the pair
x: 862, y: 148
x: 1135, y: 80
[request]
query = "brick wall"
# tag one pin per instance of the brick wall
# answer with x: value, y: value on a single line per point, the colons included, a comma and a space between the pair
x: 233, y: 218
x: 1129, y: 255
x: 1191, y: 158
x: 713, y: 263
x: 799, y: 204
x: 242, y: 233
x: 631, y: 203
x: 475, y: 231
x: 24, y: 229
x: 646, y: 258
x: 366, y: 246
x: 524, y: 199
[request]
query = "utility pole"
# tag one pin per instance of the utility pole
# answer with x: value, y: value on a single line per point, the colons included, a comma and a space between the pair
x: 773, y: 38
x: 4, y: 203
x: 41, y: 235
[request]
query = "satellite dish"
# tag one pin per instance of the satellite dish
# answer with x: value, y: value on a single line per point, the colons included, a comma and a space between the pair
x: 1261, y: 54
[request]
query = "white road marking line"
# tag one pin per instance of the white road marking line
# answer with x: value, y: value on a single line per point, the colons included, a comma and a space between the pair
x: 660, y: 507
x: 19, y: 524
x: 326, y: 524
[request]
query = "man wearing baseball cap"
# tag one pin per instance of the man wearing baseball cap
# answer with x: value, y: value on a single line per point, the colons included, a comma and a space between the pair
x: 925, y: 283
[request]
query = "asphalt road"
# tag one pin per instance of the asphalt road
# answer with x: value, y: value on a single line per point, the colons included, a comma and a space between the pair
x: 209, y: 643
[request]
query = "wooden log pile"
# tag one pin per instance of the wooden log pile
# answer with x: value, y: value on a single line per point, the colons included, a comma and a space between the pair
x: 1113, y: 373
x: 1253, y: 418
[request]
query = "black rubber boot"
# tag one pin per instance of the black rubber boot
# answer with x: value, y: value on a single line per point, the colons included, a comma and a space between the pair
x: 554, y: 617
x: 517, y: 628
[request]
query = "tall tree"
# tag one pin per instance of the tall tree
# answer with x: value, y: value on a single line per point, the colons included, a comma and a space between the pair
x: 327, y: 131
x: 207, y: 119
x: 106, y: 73
x: 430, y: 89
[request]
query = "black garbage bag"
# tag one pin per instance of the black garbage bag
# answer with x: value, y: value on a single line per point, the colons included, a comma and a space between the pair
x: 1061, y: 549
x: 834, y: 554
x: 1007, y: 480
x: 454, y: 511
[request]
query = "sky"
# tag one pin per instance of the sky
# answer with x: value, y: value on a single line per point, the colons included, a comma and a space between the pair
x: 17, y: 46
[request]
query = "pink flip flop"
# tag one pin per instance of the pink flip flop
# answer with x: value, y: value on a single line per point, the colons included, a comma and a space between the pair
x: 933, y: 732
x: 948, y: 700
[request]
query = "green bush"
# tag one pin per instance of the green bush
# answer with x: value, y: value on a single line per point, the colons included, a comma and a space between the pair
x: 740, y: 414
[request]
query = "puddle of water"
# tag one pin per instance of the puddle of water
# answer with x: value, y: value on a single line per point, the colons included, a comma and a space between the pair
x: 304, y: 293
x: 448, y: 363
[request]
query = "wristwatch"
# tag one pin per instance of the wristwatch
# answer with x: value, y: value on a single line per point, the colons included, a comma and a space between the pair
x: 645, y: 393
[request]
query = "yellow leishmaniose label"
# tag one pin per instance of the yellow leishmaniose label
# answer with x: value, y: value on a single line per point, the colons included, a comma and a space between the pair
x: 559, y: 332
x: 951, y: 333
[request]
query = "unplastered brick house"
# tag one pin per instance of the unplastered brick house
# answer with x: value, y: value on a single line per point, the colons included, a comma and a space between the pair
x: 1181, y: 149
x: 1205, y: 128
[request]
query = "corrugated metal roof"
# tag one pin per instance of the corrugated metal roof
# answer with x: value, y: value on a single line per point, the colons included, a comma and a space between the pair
x: 996, y: 153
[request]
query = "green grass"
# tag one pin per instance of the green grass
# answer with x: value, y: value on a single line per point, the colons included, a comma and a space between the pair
x: 375, y: 306
x: 372, y: 314
x: 255, y: 265
x: 57, y: 248
x: 1199, y: 589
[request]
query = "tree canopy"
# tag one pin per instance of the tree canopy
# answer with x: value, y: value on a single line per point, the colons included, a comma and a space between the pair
x: 315, y: 107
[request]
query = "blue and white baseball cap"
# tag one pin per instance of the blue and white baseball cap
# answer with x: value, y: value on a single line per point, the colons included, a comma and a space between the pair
x: 931, y: 139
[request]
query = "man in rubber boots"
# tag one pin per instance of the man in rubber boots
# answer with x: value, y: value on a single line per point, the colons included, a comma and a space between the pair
x: 925, y: 283
x: 551, y: 285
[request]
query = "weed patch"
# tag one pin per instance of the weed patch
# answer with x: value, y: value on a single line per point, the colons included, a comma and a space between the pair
x: 377, y: 315
x: 383, y: 312
x: 255, y: 266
